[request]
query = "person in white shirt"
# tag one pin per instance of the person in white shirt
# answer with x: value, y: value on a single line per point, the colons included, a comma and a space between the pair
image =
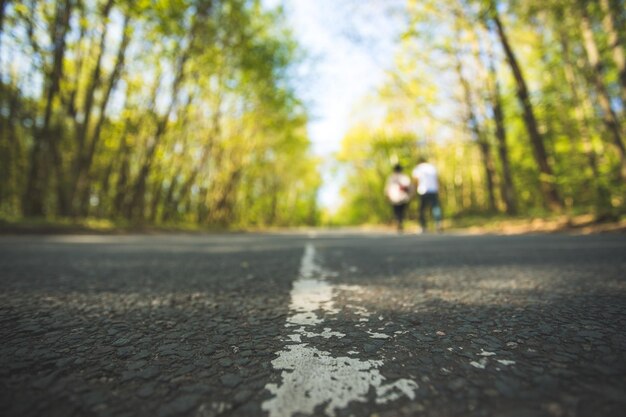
x: 425, y: 175
x: 398, y: 192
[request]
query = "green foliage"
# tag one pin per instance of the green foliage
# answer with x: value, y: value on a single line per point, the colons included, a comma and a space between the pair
x: 161, y: 112
x: 369, y: 157
x: 429, y: 110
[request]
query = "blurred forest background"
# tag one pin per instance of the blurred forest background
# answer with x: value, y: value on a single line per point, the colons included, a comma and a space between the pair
x: 519, y: 103
x: 167, y: 111
x: 185, y: 112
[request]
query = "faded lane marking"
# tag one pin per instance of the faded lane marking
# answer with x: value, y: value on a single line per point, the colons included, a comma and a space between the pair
x: 375, y: 335
x: 482, y: 363
x: 313, y: 377
x: 506, y: 362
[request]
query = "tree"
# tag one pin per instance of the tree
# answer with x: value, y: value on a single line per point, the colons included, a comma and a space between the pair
x: 547, y: 179
x: 609, y: 117
x: 152, y: 112
x: 45, y: 140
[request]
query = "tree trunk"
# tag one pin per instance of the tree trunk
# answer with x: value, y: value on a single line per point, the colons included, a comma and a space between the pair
x: 546, y: 175
x: 508, y: 189
x: 602, y: 194
x: 617, y: 48
x: 82, y: 127
x: 34, y: 196
x: 10, y: 150
x: 272, y: 214
x: 610, y: 118
x: 185, y: 189
x: 157, y: 195
x: 70, y: 93
x: 225, y: 203
x: 136, y: 208
x: 202, y: 209
x: 479, y: 138
x: 121, y: 187
x: 579, y: 112
x: 170, y: 205
x: 84, y: 175
x: 488, y: 166
x: 3, y: 6
x: 106, y: 188
x: 203, y: 9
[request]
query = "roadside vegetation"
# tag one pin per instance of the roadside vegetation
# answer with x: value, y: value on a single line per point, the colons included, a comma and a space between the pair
x: 520, y: 104
x: 152, y: 112
x: 184, y: 114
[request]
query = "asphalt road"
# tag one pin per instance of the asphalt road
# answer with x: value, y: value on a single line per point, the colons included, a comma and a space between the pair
x: 328, y: 324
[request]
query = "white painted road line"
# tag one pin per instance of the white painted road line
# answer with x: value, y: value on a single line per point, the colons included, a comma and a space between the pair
x: 312, y: 377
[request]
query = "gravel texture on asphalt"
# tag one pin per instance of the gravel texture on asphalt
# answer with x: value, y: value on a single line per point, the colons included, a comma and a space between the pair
x: 193, y: 325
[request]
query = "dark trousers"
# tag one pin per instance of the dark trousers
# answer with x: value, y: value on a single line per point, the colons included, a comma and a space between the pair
x: 398, y: 212
x: 429, y: 201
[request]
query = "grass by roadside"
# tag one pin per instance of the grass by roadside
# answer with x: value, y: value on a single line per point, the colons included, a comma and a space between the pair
x: 580, y: 224
x: 94, y: 226
x: 503, y: 225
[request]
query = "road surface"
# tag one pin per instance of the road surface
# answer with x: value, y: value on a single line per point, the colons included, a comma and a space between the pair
x: 313, y: 324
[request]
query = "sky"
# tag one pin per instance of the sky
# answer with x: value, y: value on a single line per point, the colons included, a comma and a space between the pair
x: 339, y: 71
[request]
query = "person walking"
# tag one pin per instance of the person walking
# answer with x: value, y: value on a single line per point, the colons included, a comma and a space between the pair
x: 425, y: 177
x: 398, y: 192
